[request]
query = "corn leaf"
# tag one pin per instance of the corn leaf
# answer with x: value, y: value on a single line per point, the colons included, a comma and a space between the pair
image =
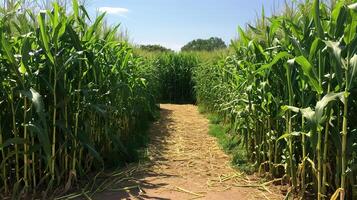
x: 276, y: 59
x: 75, y: 8
x: 316, y: 15
x: 308, y: 72
x: 44, y: 36
x: 12, y: 141
x: 352, y: 70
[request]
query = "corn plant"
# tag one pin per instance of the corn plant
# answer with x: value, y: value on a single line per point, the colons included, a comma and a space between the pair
x: 288, y: 92
x: 72, y: 99
x: 175, y: 75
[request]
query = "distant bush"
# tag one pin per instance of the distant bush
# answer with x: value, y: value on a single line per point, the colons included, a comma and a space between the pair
x: 211, y: 44
x: 155, y: 47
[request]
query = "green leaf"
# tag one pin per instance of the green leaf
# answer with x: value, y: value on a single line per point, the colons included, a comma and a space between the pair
x: 25, y: 49
x: 307, y: 69
x: 277, y: 58
x: 259, y: 50
x: 255, y: 30
x: 275, y: 24
x: 8, y: 50
x: 35, y: 98
x: 125, y: 61
x: 350, y: 30
x: 85, y: 12
x: 55, y: 14
x: 341, y: 13
x: 353, y: 6
x: 85, y: 141
x: 316, y: 117
x: 335, y: 50
x: 314, y: 47
x: 75, y: 8
x: 309, y: 114
x: 22, y: 69
x: 58, y: 32
x: 42, y: 132
x: 291, y: 108
x: 352, y: 70
x: 89, y: 34
x: 297, y: 46
x: 12, y: 141
x: 42, y: 136
x: 74, y: 38
x: 243, y: 36
x: 316, y: 15
x: 109, y: 36
x: 321, y: 105
x: 44, y: 36
x: 292, y: 134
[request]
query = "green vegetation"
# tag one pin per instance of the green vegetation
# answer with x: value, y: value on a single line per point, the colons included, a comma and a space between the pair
x: 289, y: 94
x: 76, y: 98
x: 228, y: 141
x: 175, y: 75
x: 155, y: 48
x: 73, y: 99
x: 211, y: 44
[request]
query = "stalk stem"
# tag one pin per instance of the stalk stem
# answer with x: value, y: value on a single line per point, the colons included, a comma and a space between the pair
x: 16, y: 135
x: 4, y: 175
x: 25, y: 146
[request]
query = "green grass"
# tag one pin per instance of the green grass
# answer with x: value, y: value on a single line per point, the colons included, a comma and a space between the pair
x: 228, y: 141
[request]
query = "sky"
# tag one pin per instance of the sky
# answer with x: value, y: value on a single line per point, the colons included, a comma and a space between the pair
x: 174, y: 23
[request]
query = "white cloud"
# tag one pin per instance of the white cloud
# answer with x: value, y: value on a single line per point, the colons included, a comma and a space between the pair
x: 114, y: 10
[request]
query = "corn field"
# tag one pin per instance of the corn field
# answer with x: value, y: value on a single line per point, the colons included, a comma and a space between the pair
x: 75, y: 97
x: 175, y: 75
x: 289, y: 92
x: 72, y: 96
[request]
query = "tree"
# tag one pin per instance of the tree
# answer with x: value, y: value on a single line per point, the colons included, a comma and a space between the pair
x: 155, y: 47
x: 211, y: 44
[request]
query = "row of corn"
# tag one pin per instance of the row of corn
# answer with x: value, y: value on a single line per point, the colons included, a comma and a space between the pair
x: 289, y: 93
x: 72, y: 98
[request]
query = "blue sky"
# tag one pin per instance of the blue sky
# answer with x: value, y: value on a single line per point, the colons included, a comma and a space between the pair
x: 173, y: 23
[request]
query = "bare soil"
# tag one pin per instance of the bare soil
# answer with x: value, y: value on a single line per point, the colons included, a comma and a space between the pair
x: 185, y: 162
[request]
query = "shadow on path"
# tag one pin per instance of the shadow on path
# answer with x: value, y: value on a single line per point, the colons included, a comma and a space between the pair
x: 135, y: 185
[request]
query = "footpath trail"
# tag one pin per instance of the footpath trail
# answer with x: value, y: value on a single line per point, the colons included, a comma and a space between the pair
x: 185, y: 162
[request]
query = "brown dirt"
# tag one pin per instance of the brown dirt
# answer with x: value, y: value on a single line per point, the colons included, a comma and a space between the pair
x: 187, y: 163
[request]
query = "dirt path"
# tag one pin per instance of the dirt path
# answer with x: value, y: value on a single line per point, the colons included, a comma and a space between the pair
x: 187, y: 163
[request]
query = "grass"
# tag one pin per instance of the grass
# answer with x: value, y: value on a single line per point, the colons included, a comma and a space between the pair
x: 229, y: 142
